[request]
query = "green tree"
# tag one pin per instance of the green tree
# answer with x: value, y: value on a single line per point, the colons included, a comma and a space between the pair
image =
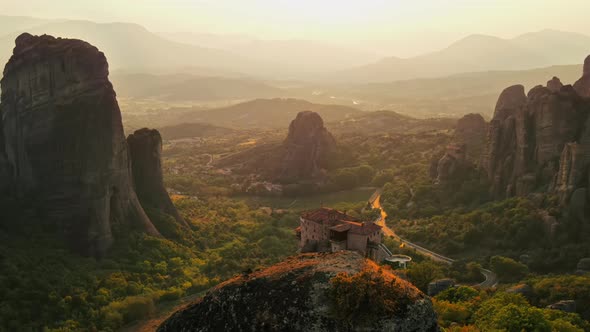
x: 507, y: 269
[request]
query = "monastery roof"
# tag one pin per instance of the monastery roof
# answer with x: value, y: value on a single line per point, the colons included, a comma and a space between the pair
x: 326, y: 214
x: 364, y: 228
x: 340, y: 222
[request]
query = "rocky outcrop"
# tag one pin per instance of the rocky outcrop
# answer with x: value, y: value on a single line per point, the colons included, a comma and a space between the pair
x: 554, y: 84
x: 565, y: 305
x: 582, y: 86
x: 500, y: 154
x: 537, y: 141
x: 145, y: 146
x: 541, y: 144
x: 460, y: 156
x: 452, y: 166
x: 471, y: 131
x: 307, y: 147
x: 303, y: 293
x: 64, y: 141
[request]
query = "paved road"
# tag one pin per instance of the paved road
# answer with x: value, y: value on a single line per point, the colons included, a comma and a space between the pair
x: 375, y: 200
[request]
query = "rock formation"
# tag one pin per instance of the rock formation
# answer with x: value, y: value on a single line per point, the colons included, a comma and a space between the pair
x: 471, y: 131
x: 307, y: 147
x: 468, y: 142
x: 541, y: 143
x: 452, y: 166
x: 582, y: 86
x: 64, y: 140
x: 528, y: 136
x: 554, y: 84
x: 299, y: 294
x: 145, y: 147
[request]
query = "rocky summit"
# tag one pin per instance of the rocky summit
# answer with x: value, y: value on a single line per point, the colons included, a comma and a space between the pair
x: 64, y: 147
x: 307, y: 147
x: 310, y: 292
x: 541, y: 142
x: 145, y: 146
x: 582, y: 86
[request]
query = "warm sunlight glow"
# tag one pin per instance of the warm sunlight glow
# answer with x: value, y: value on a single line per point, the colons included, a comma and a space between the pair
x: 410, y: 26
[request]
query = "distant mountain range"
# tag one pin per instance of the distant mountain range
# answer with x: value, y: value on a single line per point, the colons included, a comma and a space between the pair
x: 306, y: 56
x: 477, y: 53
x: 133, y: 48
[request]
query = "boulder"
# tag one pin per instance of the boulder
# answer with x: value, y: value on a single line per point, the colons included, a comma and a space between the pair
x: 64, y: 141
x: 565, y: 305
x: 303, y: 293
x: 145, y: 147
x: 307, y: 147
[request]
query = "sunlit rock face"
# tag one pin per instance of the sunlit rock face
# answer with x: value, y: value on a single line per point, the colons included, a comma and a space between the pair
x: 307, y: 147
x: 145, y: 146
x: 295, y: 295
x: 540, y: 141
x: 64, y: 140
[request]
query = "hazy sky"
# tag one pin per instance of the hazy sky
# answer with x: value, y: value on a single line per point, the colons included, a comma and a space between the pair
x: 409, y: 26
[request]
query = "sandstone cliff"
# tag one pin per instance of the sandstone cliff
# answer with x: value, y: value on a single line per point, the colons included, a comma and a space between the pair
x: 64, y: 141
x: 541, y: 142
x: 145, y: 146
x: 307, y: 147
x: 527, y: 138
x: 303, y: 293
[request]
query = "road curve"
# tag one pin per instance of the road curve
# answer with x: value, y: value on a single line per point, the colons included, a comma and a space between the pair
x: 491, y: 280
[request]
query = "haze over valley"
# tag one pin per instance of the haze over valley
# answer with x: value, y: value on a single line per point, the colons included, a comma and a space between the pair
x: 277, y: 165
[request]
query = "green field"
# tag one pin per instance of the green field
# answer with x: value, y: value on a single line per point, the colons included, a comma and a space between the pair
x: 312, y: 201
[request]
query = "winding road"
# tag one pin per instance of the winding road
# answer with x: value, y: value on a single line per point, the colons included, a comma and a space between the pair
x: 491, y: 280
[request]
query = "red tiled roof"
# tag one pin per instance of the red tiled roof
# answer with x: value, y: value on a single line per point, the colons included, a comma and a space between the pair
x: 326, y: 214
x: 340, y: 228
x: 365, y: 228
x: 340, y: 221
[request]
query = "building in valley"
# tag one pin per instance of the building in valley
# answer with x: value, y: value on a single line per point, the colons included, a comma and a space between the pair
x: 329, y: 230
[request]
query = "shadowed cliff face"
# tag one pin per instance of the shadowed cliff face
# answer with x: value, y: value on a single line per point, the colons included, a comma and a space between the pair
x: 526, y: 139
x: 310, y: 292
x: 64, y: 140
x: 306, y: 147
x: 458, y: 159
x: 582, y: 86
x: 145, y: 146
x: 541, y: 142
